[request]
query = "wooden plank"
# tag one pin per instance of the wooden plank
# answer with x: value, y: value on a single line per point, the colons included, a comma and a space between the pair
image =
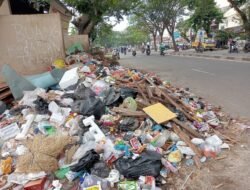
x: 172, y: 102
x: 186, y: 139
x: 188, y: 129
x: 143, y: 95
x: 149, y: 91
x: 5, y: 94
x: 127, y: 112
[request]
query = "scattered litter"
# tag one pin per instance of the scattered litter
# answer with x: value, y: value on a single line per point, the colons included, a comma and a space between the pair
x: 102, y: 126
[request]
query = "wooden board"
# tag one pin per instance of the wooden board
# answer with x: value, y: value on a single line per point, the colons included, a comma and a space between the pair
x: 159, y: 113
x: 30, y: 43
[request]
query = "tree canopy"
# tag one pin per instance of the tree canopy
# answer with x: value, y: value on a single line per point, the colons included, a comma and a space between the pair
x: 94, y: 12
x: 204, y: 13
x: 244, y: 13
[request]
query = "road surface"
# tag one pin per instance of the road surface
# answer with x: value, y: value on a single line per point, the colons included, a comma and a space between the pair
x: 223, y: 83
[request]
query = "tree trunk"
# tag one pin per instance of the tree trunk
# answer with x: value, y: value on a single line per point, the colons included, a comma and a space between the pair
x: 174, y: 43
x: 154, y: 38
x: 185, y: 37
x: 246, y: 22
x: 171, y: 33
x: 161, y: 36
x: 88, y: 28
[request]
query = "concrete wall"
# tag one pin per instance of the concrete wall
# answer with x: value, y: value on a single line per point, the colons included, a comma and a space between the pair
x: 30, y: 43
x: 5, y: 8
x: 57, y: 7
x: 69, y: 40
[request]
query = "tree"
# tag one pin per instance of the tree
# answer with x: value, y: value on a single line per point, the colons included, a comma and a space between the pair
x: 205, y: 12
x: 183, y: 27
x: 145, y: 24
x: 94, y: 12
x: 168, y: 13
x: 244, y: 13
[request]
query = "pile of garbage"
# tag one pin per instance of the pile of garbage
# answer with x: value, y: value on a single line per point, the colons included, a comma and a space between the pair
x: 103, y: 126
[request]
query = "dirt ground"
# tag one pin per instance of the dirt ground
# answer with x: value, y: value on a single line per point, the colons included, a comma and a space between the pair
x: 229, y: 171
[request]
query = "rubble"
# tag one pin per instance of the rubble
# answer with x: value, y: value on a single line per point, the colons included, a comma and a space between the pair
x: 105, y: 126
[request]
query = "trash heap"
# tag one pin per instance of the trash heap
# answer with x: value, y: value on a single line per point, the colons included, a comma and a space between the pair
x: 103, y: 126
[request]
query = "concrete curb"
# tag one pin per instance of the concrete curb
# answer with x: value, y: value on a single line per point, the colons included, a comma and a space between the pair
x: 210, y: 56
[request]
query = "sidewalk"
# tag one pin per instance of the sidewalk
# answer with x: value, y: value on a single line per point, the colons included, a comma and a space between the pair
x: 218, y: 54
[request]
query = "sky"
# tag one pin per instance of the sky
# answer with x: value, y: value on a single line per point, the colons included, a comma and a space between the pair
x: 124, y: 24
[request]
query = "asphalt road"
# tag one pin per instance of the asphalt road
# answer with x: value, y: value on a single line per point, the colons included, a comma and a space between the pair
x: 221, y: 82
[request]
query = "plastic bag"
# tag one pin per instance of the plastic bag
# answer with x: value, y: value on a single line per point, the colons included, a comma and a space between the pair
x: 175, y: 156
x: 2, y: 107
x: 6, y: 166
x: 111, y: 97
x: 147, y: 164
x: 86, y: 162
x: 161, y: 140
x: 59, y: 64
x: 100, y: 86
x: 90, y: 106
x: 93, y: 182
x: 130, y: 103
x: 128, y: 92
x: 129, y: 124
x: 83, y: 149
x: 60, y: 174
x: 100, y: 169
x: 83, y: 92
x: 128, y: 185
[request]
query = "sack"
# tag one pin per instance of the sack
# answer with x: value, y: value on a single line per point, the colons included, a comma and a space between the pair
x: 148, y: 164
x: 86, y: 162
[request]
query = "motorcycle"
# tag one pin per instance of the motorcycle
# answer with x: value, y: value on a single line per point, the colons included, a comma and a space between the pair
x: 134, y: 52
x: 143, y: 50
x: 246, y: 48
x: 116, y: 54
x: 148, y: 51
x: 233, y: 47
x: 162, y: 52
x: 199, y: 48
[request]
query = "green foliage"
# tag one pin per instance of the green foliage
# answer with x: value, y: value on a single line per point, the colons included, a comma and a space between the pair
x: 224, y: 35
x: 99, y: 11
x: 205, y: 12
x: 131, y: 36
x: 183, y: 27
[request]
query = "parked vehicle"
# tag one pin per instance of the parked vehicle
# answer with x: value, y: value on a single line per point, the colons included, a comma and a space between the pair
x: 148, y: 51
x: 233, y: 47
x: 116, y: 54
x: 246, y: 48
x: 162, y: 49
x: 203, y: 41
x: 133, y: 51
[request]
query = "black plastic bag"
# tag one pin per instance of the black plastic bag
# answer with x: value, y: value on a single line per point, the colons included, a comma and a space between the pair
x: 111, y: 96
x: 2, y: 107
x: 128, y: 92
x: 90, y: 106
x: 100, y: 169
x: 147, y: 164
x: 129, y: 124
x: 83, y: 92
x: 86, y: 162
x: 41, y: 106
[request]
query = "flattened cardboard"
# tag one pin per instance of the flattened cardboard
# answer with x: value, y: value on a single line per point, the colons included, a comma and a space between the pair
x: 159, y: 113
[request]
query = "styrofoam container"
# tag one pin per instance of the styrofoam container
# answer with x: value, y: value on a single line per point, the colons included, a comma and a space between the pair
x: 69, y: 78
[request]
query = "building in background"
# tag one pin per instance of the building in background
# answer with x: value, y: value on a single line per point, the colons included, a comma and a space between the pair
x: 232, y: 21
